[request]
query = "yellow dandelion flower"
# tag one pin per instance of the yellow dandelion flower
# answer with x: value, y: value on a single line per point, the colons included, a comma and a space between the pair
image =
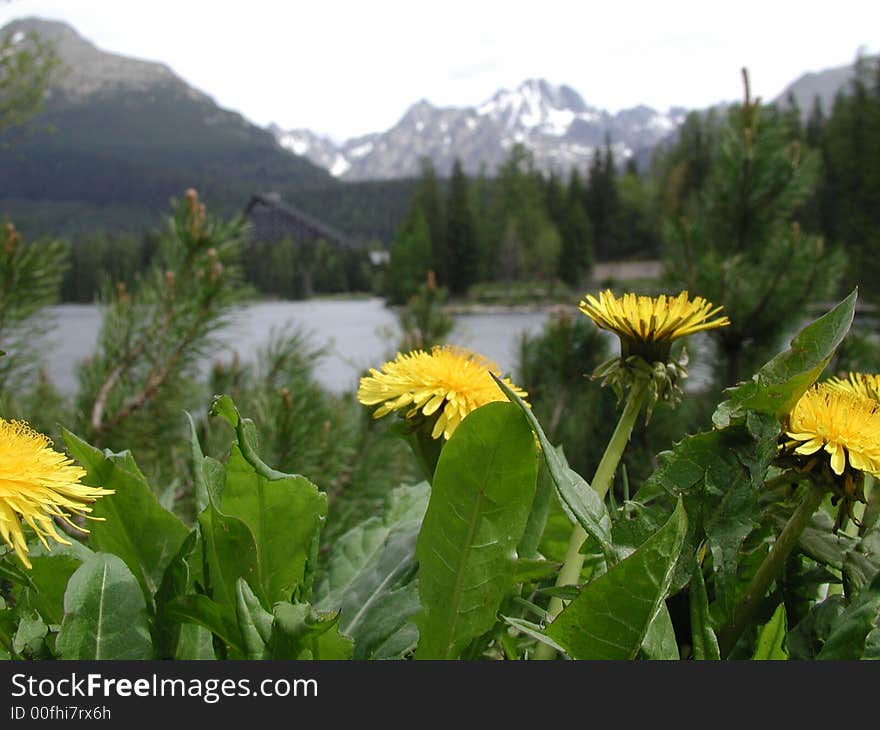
x: 37, y: 484
x: 647, y: 326
x: 865, y: 385
x: 449, y: 381
x: 844, y: 423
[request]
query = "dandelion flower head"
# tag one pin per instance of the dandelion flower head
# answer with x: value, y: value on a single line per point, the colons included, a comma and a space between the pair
x: 448, y: 381
x: 647, y: 326
x: 842, y: 422
x: 37, y: 484
x: 863, y: 384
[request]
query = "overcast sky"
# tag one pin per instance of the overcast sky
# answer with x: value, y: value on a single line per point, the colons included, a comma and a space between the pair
x: 348, y: 68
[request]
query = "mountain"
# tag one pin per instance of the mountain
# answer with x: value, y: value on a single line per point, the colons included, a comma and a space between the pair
x: 823, y: 84
x: 132, y: 134
x: 554, y: 122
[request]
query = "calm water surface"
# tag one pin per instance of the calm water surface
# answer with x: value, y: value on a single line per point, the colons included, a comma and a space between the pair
x: 357, y: 333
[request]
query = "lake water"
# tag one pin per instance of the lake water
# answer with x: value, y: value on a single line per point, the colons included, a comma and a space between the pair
x: 359, y: 333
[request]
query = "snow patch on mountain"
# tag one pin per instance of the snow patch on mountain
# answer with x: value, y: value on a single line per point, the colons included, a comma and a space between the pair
x: 554, y: 122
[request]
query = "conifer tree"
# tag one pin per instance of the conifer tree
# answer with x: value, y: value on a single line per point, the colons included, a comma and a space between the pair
x: 411, y: 258
x: 429, y: 198
x: 461, y: 249
x: 576, y: 234
x: 524, y: 241
x: 851, y: 156
x: 741, y: 248
x: 603, y: 203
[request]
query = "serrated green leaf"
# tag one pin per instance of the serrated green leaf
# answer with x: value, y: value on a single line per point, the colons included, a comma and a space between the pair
x: 30, y: 635
x: 133, y: 525
x: 483, y: 489
x: 104, y: 613
x: 849, y: 637
x: 703, y: 639
x: 301, y: 632
x: 771, y: 637
x: 776, y: 387
x: 580, y: 501
x: 611, y: 615
x: 720, y: 475
x: 806, y: 639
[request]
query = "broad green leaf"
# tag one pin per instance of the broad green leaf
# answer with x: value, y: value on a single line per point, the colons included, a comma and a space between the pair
x: 370, y: 577
x: 771, y: 638
x: 254, y: 623
x: 284, y: 512
x: 776, y: 387
x: 104, y: 613
x: 851, y: 632
x: 194, y: 643
x: 611, y: 615
x: 133, y: 524
x: 703, y: 639
x: 660, y: 642
x: 483, y: 489
x: 579, y: 499
x: 301, y: 632
x: 284, y: 515
x: 217, y: 618
x: 358, y: 549
x: 230, y: 553
x: 48, y: 581
x: 181, y: 577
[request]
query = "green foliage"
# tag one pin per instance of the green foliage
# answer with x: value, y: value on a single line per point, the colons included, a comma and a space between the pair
x: 475, y: 518
x: 610, y: 617
x: 371, y: 577
x: 104, y: 613
x: 128, y: 514
x: 30, y: 277
x: 152, y: 338
x: 742, y: 247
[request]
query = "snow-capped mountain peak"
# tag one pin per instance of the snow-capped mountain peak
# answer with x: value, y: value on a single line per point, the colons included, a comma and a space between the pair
x: 556, y: 124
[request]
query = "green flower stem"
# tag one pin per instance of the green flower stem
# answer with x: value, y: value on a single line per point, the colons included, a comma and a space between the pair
x: 770, y: 569
x: 602, y: 481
